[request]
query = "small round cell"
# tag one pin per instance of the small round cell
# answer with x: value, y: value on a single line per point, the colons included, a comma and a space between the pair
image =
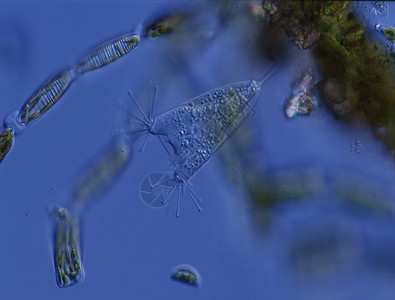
x: 157, y: 189
x: 186, y: 274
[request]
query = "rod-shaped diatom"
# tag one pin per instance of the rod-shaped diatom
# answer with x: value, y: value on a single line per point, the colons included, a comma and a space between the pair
x: 45, y: 97
x: 164, y: 25
x: 6, y: 141
x: 186, y: 274
x: 102, y: 173
x: 67, y: 255
x: 109, y: 52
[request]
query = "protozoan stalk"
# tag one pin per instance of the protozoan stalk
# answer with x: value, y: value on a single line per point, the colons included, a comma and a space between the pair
x: 109, y: 52
x: 6, y: 141
x: 45, y: 97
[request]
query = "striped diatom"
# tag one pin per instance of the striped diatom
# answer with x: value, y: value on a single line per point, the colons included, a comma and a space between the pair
x: 6, y: 141
x: 67, y: 255
x: 109, y: 52
x: 45, y: 97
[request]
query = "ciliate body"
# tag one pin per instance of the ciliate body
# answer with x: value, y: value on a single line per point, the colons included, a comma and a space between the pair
x: 192, y: 132
x: 195, y: 130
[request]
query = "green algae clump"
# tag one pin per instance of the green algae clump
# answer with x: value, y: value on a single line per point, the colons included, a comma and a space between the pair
x: 358, y: 77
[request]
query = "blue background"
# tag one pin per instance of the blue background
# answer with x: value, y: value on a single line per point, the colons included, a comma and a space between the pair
x: 129, y: 249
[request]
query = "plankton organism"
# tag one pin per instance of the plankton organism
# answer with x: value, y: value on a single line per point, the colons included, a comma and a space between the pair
x: 387, y: 31
x: 103, y: 172
x: 6, y: 141
x: 45, y: 97
x: 187, y: 29
x: 93, y: 182
x: 67, y: 255
x: 186, y: 274
x: 109, y: 52
x: 192, y: 132
x: 164, y: 25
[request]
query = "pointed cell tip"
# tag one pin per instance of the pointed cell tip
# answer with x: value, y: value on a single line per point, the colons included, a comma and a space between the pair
x: 6, y: 142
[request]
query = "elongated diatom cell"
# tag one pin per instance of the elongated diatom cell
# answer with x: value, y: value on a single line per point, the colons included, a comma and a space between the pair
x: 67, y: 257
x: 102, y: 173
x: 109, y: 52
x: 6, y: 141
x: 196, y: 129
x: 45, y: 97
